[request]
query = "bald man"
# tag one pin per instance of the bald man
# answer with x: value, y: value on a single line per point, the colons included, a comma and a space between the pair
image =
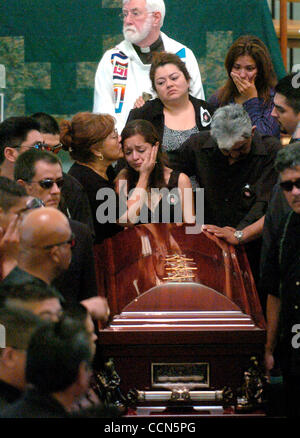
x: 45, y: 252
x: 45, y: 247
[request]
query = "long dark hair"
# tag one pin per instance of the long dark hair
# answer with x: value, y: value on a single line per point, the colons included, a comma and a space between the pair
x: 150, y: 135
x: 252, y: 46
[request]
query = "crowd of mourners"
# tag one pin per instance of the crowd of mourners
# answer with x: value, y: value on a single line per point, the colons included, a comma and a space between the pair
x: 151, y: 128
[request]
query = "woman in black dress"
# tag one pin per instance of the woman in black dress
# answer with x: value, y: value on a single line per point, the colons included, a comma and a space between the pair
x: 94, y: 144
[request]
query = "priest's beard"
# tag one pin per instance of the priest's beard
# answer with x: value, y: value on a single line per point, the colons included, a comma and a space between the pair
x: 133, y: 36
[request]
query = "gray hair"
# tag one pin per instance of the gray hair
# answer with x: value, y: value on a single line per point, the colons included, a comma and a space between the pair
x: 154, y: 6
x: 288, y: 157
x: 230, y: 123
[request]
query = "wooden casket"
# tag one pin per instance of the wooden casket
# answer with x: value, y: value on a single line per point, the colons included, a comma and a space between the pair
x: 185, y: 312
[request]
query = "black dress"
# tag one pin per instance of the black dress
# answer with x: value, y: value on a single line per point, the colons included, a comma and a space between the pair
x: 92, y: 183
x: 74, y: 202
x: 168, y: 210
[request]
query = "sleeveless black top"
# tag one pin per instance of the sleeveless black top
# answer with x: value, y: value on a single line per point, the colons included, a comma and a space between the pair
x: 168, y: 210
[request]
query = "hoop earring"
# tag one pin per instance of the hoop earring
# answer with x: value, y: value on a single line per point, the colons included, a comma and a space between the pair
x: 101, y: 158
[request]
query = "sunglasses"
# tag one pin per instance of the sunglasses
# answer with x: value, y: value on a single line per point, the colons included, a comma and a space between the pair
x: 38, y: 145
x: 34, y: 203
x: 54, y: 149
x: 31, y: 204
x: 289, y: 185
x: 71, y: 241
x: 48, y: 183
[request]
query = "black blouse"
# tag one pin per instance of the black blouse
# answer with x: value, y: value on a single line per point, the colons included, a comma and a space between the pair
x: 92, y: 183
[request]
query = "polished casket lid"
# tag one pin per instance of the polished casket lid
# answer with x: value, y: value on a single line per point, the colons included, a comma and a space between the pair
x: 159, y: 272
x: 174, y: 312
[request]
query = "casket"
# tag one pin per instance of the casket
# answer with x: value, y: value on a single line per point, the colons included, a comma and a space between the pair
x: 185, y: 312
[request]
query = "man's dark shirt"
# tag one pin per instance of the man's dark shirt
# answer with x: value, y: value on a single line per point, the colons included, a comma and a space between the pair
x: 276, y: 212
x: 34, y: 404
x: 281, y: 278
x: 8, y: 395
x: 17, y: 276
x: 79, y: 282
x: 282, y: 255
x: 225, y: 201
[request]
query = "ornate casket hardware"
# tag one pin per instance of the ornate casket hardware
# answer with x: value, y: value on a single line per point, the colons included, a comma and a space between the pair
x: 177, y: 267
x: 183, y: 394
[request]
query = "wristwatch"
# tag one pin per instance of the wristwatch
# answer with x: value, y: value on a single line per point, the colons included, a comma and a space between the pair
x: 239, y: 235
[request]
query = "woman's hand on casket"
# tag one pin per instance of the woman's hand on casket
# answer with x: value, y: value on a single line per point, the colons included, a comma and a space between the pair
x: 225, y: 233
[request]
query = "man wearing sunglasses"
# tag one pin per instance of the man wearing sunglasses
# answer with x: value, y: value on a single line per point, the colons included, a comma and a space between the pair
x: 40, y: 173
x: 18, y: 135
x: 76, y: 202
x: 49, y: 129
x: 281, y: 282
